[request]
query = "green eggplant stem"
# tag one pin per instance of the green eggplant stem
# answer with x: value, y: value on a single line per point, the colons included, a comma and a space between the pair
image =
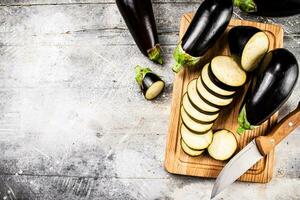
x: 140, y: 73
x: 183, y: 59
x: 155, y: 54
x: 243, y: 122
x: 246, y: 5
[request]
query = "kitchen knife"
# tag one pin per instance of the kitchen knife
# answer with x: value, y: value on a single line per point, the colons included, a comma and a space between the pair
x: 254, y: 151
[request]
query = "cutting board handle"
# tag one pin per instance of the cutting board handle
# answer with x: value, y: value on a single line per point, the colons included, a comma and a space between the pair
x: 266, y: 143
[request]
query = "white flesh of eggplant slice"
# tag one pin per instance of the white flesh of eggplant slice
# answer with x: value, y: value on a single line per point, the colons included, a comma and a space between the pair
x: 192, y: 124
x: 254, y: 51
x: 155, y: 89
x: 196, y: 99
x: 194, y: 113
x: 195, y: 141
x: 223, y: 146
x: 210, y: 97
x: 207, y: 81
x: 228, y: 71
x: 189, y: 151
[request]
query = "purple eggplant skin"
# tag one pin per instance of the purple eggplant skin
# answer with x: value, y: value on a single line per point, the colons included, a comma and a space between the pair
x: 139, y: 18
x: 207, y: 26
x: 238, y: 38
x: 269, y: 8
x: 271, y: 86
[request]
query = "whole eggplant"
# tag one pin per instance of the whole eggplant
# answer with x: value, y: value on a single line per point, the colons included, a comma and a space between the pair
x: 271, y: 86
x: 208, y: 24
x: 139, y: 18
x: 271, y: 8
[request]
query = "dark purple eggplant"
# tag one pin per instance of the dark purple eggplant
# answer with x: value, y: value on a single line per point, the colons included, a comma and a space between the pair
x: 208, y: 24
x: 150, y: 84
x: 249, y: 44
x: 272, y: 84
x: 271, y: 8
x: 139, y: 18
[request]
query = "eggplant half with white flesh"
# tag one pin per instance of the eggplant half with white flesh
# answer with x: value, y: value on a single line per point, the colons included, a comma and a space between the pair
x: 150, y: 84
x: 208, y: 24
x: 272, y: 84
x: 139, y: 18
x: 249, y: 44
x: 223, y: 145
x: 270, y: 8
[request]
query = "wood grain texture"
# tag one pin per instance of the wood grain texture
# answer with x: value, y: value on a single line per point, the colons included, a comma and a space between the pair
x: 176, y: 161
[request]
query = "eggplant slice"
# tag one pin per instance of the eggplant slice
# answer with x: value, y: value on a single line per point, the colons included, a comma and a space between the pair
x: 150, y: 84
x: 189, y: 151
x: 195, y: 114
x: 193, y: 125
x: 198, y: 102
x: 195, y: 141
x: 213, y: 87
x: 226, y: 73
x: 223, y: 146
x: 210, y: 98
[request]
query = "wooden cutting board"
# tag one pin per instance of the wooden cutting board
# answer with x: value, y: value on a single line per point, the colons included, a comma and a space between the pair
x: 176, y: 161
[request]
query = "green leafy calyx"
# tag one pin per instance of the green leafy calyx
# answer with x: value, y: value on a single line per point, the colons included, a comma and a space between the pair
x: 140, y: 73
x: 183, y: 59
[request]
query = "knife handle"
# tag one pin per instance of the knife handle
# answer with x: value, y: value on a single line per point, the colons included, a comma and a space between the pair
x: 266, y: 143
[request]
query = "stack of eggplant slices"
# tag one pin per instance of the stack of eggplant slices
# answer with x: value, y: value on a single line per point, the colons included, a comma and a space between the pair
x: 272, y: 75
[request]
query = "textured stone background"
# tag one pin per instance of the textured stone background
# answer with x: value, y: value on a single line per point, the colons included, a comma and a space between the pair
x: 73, y: 124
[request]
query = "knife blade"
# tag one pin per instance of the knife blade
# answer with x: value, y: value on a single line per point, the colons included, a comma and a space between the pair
x: 236, y: 167
x: 254, y: 151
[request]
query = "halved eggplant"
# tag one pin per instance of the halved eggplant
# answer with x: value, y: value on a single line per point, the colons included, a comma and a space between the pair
x: 151, y: 84
x: 223, y: 145
x: 195, y: 114
x: 140, y: 21
x: 189, y: 151
x: 198, y: 102
x: 208, y: 24
x: 272, y: 85
x: 198, y: 128
x: 195, y: 141
x: 248, y: 43
x: 210, y: 98
x: 213, y: 88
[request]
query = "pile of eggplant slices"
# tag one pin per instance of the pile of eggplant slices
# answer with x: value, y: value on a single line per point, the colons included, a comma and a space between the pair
x: 272, y: 75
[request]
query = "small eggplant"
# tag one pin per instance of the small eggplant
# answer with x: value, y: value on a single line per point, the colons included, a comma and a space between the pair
x: 270, y: 8
x: 249, y: 44
x: 208, y: 24
x: 271, y: 86
x: 150, y: 84
x: 139, y: 18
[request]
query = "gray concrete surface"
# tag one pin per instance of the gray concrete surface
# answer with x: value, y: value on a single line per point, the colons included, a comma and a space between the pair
x: 73, y: 124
